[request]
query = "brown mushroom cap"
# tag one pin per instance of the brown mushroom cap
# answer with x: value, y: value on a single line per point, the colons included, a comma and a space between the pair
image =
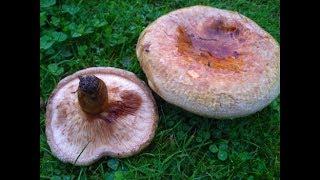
x: 129, y: 125
x: 212, y: 62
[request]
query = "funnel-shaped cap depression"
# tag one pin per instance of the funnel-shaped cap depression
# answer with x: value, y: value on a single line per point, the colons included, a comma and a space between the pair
x: 209, y: 61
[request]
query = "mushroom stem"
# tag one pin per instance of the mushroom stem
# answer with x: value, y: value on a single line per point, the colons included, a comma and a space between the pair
x: 92, y: 94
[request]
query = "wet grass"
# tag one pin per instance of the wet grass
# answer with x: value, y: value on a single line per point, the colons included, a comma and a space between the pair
x: 81, y: 34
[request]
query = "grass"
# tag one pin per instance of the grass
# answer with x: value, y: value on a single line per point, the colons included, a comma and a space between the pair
x: 80, y: 34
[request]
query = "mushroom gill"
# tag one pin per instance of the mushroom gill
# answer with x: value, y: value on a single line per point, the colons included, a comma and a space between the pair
x: 93, y: 99
x: 99, y: 112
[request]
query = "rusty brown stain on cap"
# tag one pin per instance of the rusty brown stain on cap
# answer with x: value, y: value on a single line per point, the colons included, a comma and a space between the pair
x: 211, y: 46
x: 212, y: 62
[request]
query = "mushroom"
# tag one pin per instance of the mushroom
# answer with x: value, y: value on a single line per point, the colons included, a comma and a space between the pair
x: 212, y: 62
x: 100, y: 112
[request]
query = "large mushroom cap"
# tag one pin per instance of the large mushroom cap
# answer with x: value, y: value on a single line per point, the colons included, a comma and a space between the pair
x: 123, y: 130
x: 209, y: 61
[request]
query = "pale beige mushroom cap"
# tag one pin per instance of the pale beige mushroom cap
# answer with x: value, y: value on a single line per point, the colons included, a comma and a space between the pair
x: 70, y: 131
x: 212, y: 62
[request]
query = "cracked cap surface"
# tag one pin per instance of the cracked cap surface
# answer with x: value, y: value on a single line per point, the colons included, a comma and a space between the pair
x: 212, y: 62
